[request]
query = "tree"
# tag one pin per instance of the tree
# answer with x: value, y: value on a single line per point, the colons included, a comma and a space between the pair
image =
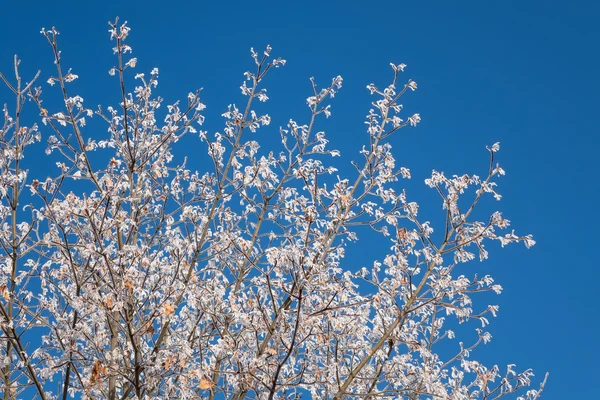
x: 146, y: 279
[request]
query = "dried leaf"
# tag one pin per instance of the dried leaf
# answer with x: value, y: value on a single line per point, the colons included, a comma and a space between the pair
x: 168, y: 309
x: 402, y: 234
x: 98, y: 370
x: 150, y: 328
x: 205, y: 384
x: 271, y: 351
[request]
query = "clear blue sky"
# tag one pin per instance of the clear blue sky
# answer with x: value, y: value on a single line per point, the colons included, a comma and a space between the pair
x: 524, y: 73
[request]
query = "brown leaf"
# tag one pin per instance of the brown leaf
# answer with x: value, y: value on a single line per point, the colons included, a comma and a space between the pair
x: 98, y: 370
x: 271, y: 351
x: 205, y: 384
x: 402, y: 233
x: 150, y: 328
x: 168, y: 309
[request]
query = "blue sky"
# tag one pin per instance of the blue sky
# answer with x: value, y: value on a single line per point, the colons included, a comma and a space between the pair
x: 524, y: 73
